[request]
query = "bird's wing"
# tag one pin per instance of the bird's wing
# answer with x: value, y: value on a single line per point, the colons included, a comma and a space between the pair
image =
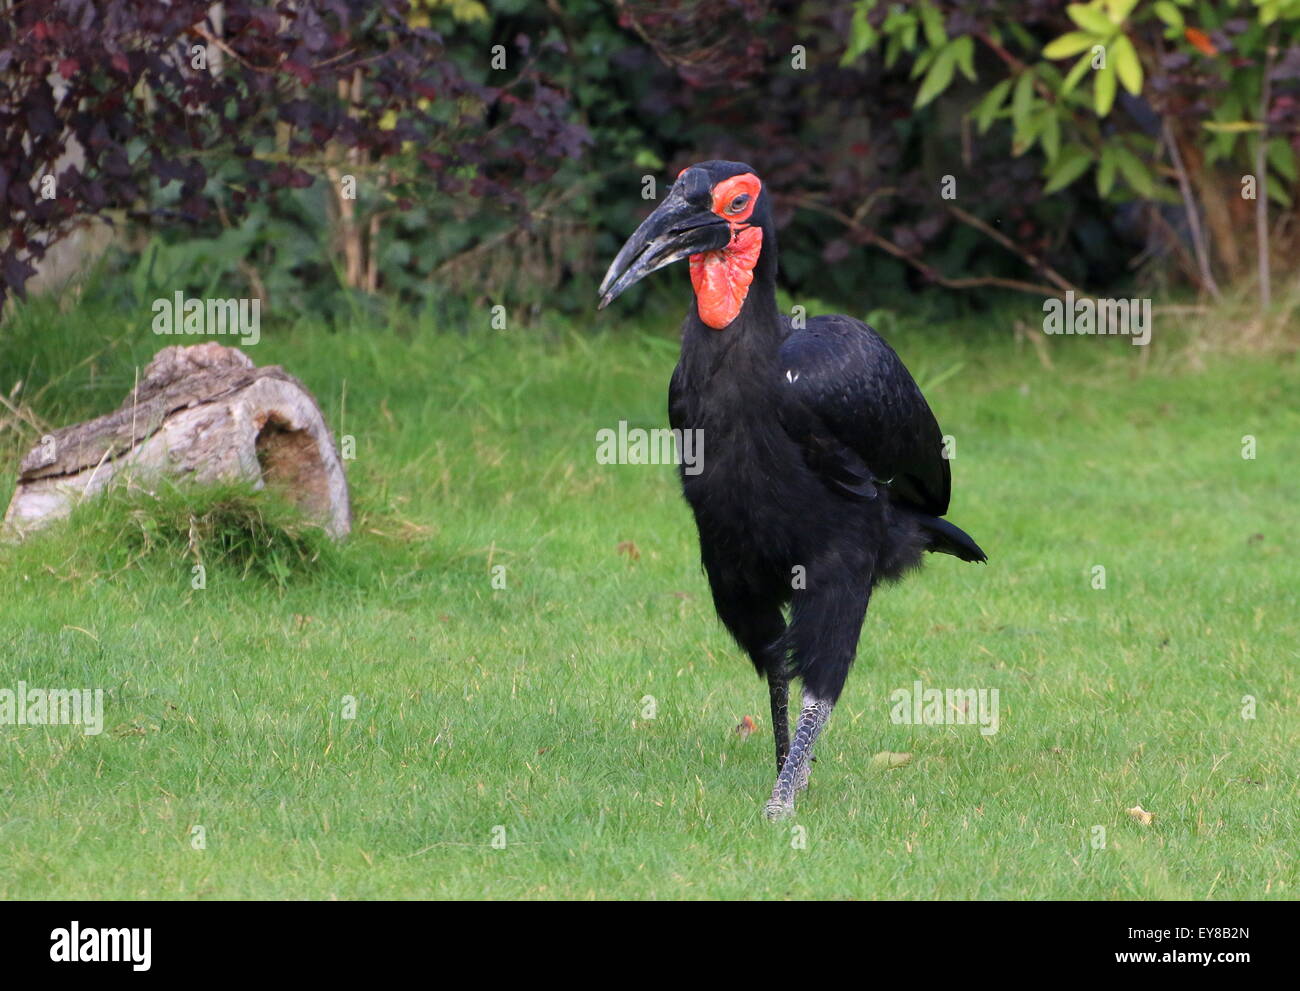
x: 850, y: 403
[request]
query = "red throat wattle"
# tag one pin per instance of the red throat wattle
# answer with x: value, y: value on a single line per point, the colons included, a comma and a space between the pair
x: 721, y: 278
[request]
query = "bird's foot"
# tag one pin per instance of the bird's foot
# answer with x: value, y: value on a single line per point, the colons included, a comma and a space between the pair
x: 776, y: 810
x: 781, y: 804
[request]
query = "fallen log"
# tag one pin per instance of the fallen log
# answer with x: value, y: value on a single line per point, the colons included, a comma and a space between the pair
x: 205, y: 413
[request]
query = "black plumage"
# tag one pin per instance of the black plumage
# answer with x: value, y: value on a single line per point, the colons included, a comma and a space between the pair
x: 823, y: 471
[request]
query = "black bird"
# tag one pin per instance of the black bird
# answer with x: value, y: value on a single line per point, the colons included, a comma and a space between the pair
x: 823, y: 470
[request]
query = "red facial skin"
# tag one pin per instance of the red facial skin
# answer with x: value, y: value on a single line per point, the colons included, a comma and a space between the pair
x: 721, y: 278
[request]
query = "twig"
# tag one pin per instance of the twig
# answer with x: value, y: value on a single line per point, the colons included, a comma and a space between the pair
x: 1032, y: 260
x: 889, y: 247
x: 212, y: 39
x: 1261, y: 174
x: 1187, y: 262
x: 1015, y: 65
x: 1193, y: 218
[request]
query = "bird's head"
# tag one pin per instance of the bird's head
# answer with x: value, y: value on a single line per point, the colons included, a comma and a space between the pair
x: 715, y: 215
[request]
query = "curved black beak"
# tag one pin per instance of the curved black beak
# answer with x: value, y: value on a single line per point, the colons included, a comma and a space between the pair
x: 676, y: 230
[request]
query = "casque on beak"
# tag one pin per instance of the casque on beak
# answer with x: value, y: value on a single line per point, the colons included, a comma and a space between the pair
x: 676, y: 230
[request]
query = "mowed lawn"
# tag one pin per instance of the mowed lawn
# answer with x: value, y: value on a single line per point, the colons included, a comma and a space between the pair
x: 501, y: 745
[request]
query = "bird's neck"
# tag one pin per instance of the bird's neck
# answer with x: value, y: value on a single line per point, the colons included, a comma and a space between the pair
x: 743, y: 353
x: 721, y: 279
x: 733, y: 365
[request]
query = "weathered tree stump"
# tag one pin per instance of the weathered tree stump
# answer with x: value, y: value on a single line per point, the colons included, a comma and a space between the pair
x: 204, y: 412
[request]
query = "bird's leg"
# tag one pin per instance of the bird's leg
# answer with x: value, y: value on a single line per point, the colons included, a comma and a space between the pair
x: 826, y: 620
x: 794, y: 773
x: 759, y: 627
x: 778, y: 689
x: 801, y: 782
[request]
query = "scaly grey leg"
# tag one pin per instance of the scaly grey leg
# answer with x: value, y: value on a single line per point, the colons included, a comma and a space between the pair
x: 794, y: 773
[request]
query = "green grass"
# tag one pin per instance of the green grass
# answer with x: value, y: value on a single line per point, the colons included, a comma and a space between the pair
x: 521, y: 708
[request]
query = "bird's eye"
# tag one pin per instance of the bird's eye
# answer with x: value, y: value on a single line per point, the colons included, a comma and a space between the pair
x: 738, y: 204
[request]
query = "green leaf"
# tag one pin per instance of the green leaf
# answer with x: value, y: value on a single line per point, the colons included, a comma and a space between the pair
x: 1069, y: 44
x: 1075, y: 74
x: 1232, y: 126
x: 862, y: 36
x: 1051, y: 139
x: 965, y: 48
x: 893, y: 49
x: 1134, y: 172
x: 932, y: 22
x: 938, y: 78
x: 1170, y: 14
x: 1282, y: 158
x: 1073, y: 162
x: 1022, y: 37
x: 1091, y: 19
x: 1106, y: 172
x: 1127, y: 65
x: 897, y: 19
x: 922, y: 63
x: 1022, y: 100
x: 1103, y: 90
x: 1118, y: 10
x: 646, y: 159
x: 1276, y: 192
x: 1048, y: 76
x: 984, y: 111
x: 1025, y: 137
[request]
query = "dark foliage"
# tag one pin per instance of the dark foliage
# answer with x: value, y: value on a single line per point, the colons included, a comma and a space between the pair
x: 512, y: 186
x: 144, y: 108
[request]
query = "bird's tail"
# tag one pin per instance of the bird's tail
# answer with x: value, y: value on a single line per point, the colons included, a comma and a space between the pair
x: 948, y: 539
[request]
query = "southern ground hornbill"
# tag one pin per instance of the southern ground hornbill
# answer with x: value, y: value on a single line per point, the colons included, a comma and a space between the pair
x: 823, y: 471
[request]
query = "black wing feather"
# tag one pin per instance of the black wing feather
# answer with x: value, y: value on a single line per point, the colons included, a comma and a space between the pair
x: 861, y: 420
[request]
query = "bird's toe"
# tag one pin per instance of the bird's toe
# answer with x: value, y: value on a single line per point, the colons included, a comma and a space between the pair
x: 775, y: 811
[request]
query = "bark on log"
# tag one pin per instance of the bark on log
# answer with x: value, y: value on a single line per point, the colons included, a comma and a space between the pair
x: 204, y: 412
